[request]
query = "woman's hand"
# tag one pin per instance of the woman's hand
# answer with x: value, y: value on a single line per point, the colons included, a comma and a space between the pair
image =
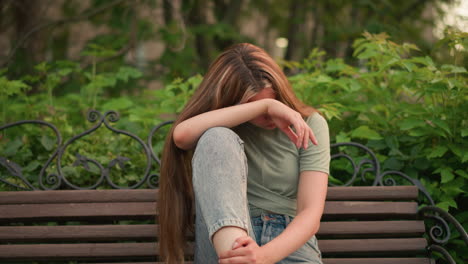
x: 246, y: 251
x: 284, y: 117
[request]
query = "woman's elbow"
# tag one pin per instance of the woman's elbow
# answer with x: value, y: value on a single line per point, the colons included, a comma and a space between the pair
x: 180, y: 137
x: 316, y: 228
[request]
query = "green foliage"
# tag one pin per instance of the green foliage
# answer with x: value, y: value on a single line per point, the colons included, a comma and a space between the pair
x: 409, y: 109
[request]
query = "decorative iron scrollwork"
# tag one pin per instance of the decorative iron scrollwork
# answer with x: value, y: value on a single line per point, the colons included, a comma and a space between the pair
x: 439, y: 233
x: 358, y: 166
x: 16, y: 171
x: 380, y: 178
x: 58, y: 180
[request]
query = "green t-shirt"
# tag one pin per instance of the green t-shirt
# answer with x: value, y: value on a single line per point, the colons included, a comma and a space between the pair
x: 274, y: 165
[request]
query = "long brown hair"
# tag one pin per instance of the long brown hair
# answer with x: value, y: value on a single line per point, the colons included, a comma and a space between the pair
x: 233, y: 78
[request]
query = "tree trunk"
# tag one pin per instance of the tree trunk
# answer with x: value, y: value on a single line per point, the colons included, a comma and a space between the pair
x: 295, y: 30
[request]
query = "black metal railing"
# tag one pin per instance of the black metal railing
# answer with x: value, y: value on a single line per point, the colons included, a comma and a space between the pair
x: 360, y: 166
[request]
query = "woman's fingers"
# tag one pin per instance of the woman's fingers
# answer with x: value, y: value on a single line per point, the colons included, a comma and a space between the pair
x: 305, y: 139
x: 312, y: 137
x: 242, y: 242
x: 233, y: 260
x: 243, y: 250
x: 285, y: 117
x: 290, y: 133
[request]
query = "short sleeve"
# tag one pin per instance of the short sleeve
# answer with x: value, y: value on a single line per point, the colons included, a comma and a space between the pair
x: 316, y: 157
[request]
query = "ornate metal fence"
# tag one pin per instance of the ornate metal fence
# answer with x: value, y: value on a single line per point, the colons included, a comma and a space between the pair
x: 363, y: 168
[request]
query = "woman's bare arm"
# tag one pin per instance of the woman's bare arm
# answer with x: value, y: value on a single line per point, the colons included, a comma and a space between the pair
x: 187, y: 133
x: 310, y: 205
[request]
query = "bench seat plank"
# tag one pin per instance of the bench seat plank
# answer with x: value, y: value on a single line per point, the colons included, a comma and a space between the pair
x: 372, y: 193
x: 79, y: 196
x: 373, y: 246
x: 147, y: 210
x: 371, y: 229
x: 400, y: 246
x: 377, y: 261
x: 356, y: 193
x: 370, y: 210
x: 78, y: 211
x: 147, y: 232
x: 335, y: 261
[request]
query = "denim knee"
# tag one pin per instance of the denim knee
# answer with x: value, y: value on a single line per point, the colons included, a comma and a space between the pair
x: 220, y: 144
x: 219, y: 137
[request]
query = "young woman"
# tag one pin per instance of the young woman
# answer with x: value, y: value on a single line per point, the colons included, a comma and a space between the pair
x: 241, y: 152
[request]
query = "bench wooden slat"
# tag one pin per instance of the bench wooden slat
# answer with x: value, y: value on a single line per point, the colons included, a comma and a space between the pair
x: 399, y: 246
x: 334, y: 261
x: 147, y: 210
x: 78, y: 233
x: 78, y: 196
x: 363, y: 210
x: 358, y: 193
x: 371, y: 229
x: 78, y: 251
x: 372, y: 193
x: 78, y: 211
x: 377, y: 261
x: 145, y: 232
x: 329, y: 261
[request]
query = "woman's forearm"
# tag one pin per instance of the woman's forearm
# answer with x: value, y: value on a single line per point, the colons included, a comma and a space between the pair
x: 187, y: 133
x: 310, y: 206
x: 297, y: 233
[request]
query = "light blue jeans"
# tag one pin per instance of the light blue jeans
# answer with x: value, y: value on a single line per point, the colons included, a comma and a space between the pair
x: 219, y: 169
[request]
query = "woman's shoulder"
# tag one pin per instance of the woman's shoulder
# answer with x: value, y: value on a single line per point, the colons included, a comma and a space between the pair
x: 316, y: 119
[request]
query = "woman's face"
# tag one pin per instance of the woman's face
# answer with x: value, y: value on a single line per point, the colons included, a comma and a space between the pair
x: 263, y: 121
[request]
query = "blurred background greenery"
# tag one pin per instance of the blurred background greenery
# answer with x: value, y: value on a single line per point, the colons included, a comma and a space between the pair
x: 168, y: 39
x: 388, y: 74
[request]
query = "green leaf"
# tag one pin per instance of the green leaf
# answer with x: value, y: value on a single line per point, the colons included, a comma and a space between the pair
x: 443, y: 205
x: 335, y: 180
x: 446, y: 174
x: 410, y: 123
x: 408, y: 65
x: 120, y: 103
x: 464, y: 132
x: 323, y: 79
x: 418, y: 132
x: 442, y: 124
x: 453, y: 188
x: 453, y: 68
x: 342, y: 137
x: 447, y: 204
x: 366, y: 133
x: 354, y: 85
x: 438, y: 151
x: 32, y: 166
x: 12, y: 147
x: 462, y: 173
x: 457, y: 150
x: 335, y: 65
x: 125, y: 73
x: 392, y: 164
x: 47, y: 142
x: 465, y: 157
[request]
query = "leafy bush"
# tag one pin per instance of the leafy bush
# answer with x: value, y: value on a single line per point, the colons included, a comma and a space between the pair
x: 410, y: 110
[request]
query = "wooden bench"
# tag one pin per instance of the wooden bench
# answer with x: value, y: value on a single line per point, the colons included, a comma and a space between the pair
x: 358, y: 223
x: 362, y: 224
